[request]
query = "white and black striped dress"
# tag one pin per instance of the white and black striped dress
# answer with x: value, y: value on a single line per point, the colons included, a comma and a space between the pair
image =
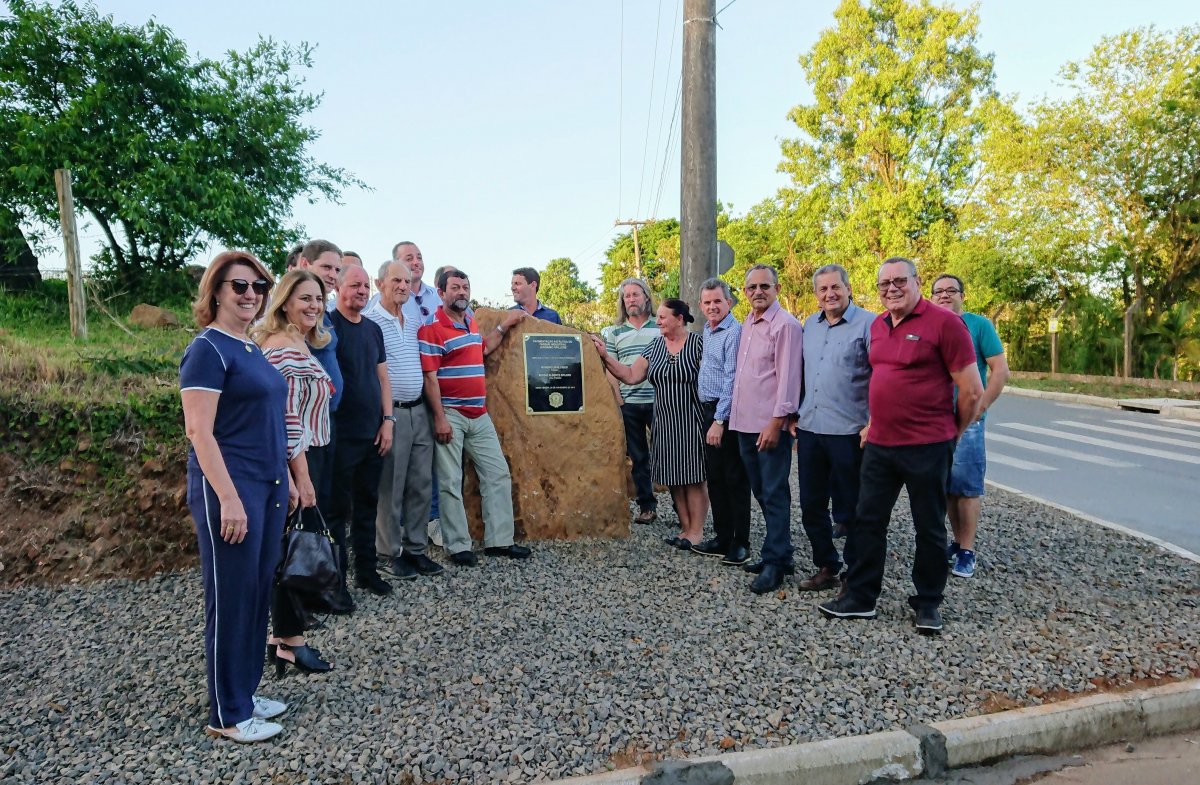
x: 677, y: 451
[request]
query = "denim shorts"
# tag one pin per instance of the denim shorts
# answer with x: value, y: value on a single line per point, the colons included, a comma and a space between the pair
x: 970, y: 463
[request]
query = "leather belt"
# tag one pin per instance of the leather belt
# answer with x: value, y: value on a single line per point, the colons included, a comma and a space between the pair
x: 408, y: 404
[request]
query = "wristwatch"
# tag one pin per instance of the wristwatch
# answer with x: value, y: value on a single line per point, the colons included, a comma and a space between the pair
x: 719, y: 422
x: 390, y: 417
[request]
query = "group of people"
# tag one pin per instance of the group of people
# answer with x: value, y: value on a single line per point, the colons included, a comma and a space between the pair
x: 311, y: 393
x: 315, y: 394
x: 868, y: 404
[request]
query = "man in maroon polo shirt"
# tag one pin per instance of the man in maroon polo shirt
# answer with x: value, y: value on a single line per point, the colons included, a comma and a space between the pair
x: 919, y: 352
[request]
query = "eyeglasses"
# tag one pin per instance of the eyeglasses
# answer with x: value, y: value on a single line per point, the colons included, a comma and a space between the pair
x: 899, y: 283
x: 759, y: 287
x: 240, y: 285
x: 948, y: 290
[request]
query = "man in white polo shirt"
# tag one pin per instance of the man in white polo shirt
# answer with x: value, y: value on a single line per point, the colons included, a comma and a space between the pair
x: 406, y: 483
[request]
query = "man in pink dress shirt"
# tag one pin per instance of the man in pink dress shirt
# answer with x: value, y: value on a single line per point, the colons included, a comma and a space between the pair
x: 766, y: 393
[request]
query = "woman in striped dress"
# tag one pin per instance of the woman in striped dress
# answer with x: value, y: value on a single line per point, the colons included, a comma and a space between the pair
x: 294, y: 323
x: 671, y: 362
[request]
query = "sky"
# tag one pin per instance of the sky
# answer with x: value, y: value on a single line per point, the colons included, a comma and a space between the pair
x: 498, y: 135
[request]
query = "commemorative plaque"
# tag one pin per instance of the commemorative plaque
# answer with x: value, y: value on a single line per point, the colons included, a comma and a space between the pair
x: 553, y: 373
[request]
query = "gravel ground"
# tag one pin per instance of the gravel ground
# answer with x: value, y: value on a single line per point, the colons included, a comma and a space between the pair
x: 592, y: 655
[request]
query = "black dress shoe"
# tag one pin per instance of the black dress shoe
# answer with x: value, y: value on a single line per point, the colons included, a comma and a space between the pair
x: 710, y: 547
x: 373, y: 583
x: 343, y: 603
x: 770, y: 579
x: 402, y: 569
x: 511, y: 551
x: 736, y: 556
x: 464, y: 558
x: 757, y: 568
x: 422, y: 563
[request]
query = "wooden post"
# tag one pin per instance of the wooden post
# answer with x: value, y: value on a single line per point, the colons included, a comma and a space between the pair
x: 637, y: 248
x: 1054, y: 328
x: 1127, y: 366
x: 75, y: 291
x: 698, y: 151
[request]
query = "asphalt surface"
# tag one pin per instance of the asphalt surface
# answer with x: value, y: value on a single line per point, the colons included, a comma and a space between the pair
x: 1138, y: 470
x: 1168, y: 760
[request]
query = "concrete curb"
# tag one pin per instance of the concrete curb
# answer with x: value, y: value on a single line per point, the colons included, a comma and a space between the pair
x: 1175, y: 412
x: 928, y: 750
x: 1089, y: 400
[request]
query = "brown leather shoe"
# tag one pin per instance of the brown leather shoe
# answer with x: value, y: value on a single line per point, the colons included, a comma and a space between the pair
x: 824, y: 578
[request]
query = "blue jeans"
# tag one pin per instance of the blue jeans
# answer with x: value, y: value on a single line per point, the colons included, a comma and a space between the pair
x: 638, y: 418
x: 970, y: 463
x: 827, y: 466
x: 768, y: 472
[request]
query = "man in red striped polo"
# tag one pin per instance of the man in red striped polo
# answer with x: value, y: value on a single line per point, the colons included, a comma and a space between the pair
x: 452, y: 352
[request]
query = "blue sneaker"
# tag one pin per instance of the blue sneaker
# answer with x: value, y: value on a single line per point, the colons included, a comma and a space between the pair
x: 964, y: 564
x: 952, y: 553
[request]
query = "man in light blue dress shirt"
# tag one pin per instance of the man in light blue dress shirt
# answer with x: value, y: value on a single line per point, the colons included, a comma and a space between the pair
x: 833, y: 413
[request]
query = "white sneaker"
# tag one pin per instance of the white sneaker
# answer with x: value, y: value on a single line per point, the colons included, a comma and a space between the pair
x: 435, y: 532
x: 265, y: 708
x: 247, y: 731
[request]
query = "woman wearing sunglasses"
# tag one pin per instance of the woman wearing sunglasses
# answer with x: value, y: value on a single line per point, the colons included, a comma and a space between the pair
x: 295, y: 322
x: 239, y: 488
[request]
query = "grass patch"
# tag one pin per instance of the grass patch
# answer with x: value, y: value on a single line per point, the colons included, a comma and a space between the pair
x: 1102, y: 389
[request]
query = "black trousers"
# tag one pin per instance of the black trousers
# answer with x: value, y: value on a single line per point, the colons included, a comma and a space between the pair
x: 354, y: 501
x: 286, y: 618
x: 924, y: 470
x: 827, y: 467
x: 728, y: 487
x: 638, y: 417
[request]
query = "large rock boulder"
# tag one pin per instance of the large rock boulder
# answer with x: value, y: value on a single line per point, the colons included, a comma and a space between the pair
x: 150, y: 316
x: 568, y: 469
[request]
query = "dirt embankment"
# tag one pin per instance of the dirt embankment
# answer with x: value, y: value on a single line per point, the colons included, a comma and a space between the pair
x: 69, y: 524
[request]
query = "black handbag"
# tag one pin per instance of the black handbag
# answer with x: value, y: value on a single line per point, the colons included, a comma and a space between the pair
x: 309, y: 569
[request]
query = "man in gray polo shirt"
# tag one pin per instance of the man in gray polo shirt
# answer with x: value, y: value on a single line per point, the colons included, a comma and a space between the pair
x: 833, y: 413
x: 405, y: 484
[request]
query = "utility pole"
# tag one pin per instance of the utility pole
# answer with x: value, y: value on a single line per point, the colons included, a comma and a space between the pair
x: 75, y: 293
x: 637, y: 248
x: 698, y: 181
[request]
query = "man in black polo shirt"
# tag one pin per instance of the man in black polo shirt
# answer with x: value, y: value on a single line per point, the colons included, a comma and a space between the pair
x: 364, y: 422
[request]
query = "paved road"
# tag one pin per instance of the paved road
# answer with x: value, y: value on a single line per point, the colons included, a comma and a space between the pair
x: 1138, y: 470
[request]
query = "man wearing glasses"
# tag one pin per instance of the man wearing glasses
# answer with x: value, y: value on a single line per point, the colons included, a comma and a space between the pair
x: 766, y: 394
x: 918, y: 354
x: 970, y: 458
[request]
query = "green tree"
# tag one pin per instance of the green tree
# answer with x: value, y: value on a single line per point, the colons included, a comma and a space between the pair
x: 564, y: 291
x: 659, y: 243
x: 167, y: 153
x: 889, y: 148
x: 1124, y: 149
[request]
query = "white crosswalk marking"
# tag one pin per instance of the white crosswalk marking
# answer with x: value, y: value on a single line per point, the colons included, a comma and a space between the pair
x: 1075, y: 437
x: 1061, y: 452
x: 1152, y: 427
x: 1017, y: 463
x: 1189, y: 423
x: 1149, y: 437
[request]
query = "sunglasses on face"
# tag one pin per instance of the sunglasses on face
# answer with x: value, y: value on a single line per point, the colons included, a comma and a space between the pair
x: 761, y: 287
x: 240, y: 285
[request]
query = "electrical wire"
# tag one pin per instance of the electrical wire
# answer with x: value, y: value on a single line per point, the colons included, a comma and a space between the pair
x: 671, y: 139
x: 621, y: 111
x: 658, y: 139
x: 650, y: 106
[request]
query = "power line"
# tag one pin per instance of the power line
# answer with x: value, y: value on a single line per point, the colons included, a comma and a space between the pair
x: 658, y: 139
x: 650, y: 105
x: 621, y: 111
x: 671, y: 138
